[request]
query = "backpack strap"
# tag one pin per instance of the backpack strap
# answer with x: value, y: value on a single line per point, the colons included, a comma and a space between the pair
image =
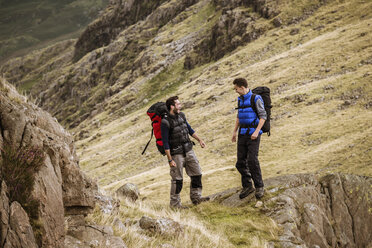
x: 182, y: 116
x: 241, y: 97
x: 253, y: 104
x: 152, y: 134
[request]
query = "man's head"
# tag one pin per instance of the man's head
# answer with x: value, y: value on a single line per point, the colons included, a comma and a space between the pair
x: 173, y: 105
x: 240, y: 86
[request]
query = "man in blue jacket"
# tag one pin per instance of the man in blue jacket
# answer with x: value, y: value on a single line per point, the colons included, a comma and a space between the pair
x: 249, y: 123
x: 176, y: 132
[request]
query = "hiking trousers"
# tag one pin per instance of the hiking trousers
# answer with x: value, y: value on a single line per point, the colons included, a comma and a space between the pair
x: 248, y: 164
x: 193, y: 170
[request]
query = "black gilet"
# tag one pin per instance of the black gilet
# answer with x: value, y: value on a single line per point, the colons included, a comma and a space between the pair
x: 179, y: 140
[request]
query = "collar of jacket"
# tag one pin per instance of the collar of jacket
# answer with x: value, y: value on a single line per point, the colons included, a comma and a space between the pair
x: 173, y: 116
x: 246, y: 96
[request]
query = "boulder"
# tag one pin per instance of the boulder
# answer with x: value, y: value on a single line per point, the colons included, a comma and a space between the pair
x: 162, y: 226
x: 71, y: 242
x: 118, y: 224
x: 81, y: 234
x: 128, y: 190
x: 107, y: 204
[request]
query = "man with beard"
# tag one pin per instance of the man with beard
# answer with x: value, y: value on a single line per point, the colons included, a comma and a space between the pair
x: 175, y: 131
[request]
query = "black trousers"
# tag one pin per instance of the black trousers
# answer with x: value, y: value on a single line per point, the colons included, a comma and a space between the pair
x: 248, y: 164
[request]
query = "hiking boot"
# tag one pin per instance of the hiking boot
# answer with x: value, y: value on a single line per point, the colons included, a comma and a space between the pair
x: 200, y: 200
x: 246, y: 192
x: 259, y: 192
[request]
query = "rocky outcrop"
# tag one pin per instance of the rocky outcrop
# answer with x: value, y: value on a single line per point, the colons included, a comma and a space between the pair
x: 118, y: 16
x: 235, y: 27
x: 330, y: 211
x: 60, y: 187
x: 121, y: 14
x: 231, y: 198
x: 317, y: 211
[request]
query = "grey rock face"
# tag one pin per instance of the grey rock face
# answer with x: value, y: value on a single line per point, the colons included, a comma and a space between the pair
x: 60, y: 186
x: 15, y: 227
x: 328, y: 211
x: 235, y: 27
x: 20, y: 225
x: 121, y: 14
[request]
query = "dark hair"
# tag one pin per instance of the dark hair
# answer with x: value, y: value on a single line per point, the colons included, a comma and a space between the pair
x: 240, y: 82
x: 171, y: 101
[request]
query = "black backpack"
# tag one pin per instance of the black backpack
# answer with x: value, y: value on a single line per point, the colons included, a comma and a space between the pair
x: 156, y: 112
x: 264, y: 92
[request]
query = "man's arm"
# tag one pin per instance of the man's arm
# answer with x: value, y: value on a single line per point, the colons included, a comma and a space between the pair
x: 194, y: 135
x: 235, y: 130
x: 191, y: 131
x: 201, y: 142
x: 258, y: 129
x: 261, y: 115
x: 170, y: 160
x: 165, y: 138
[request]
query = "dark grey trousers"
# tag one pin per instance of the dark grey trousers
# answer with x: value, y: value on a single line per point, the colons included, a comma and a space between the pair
x: 193, y: 170
x: 248, y: 164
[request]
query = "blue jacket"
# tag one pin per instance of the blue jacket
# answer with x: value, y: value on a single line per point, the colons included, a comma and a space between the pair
x: 246, y: 114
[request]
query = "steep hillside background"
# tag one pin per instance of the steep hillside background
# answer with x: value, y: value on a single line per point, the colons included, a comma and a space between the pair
x: 26, y: 25
x: 314, y: 55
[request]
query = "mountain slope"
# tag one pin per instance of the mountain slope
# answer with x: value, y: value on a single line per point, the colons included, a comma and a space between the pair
x: 320, y: 115
x: 315, y: 56
x: 27, y: 24
x: 320, y: 95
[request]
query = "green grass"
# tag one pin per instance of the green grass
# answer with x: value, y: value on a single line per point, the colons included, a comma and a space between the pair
x: 239, y: 224
x: 206, y: 225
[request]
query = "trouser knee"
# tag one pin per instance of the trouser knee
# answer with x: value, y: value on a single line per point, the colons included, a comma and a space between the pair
x: 253, y: 163
x: 178, y: 186
x: 241, y: 167
x: 196, y: 181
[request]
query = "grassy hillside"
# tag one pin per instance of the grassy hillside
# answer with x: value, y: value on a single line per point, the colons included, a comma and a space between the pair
x: 319, y: 71
x: 25, y: 24
x: 321, y: 95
